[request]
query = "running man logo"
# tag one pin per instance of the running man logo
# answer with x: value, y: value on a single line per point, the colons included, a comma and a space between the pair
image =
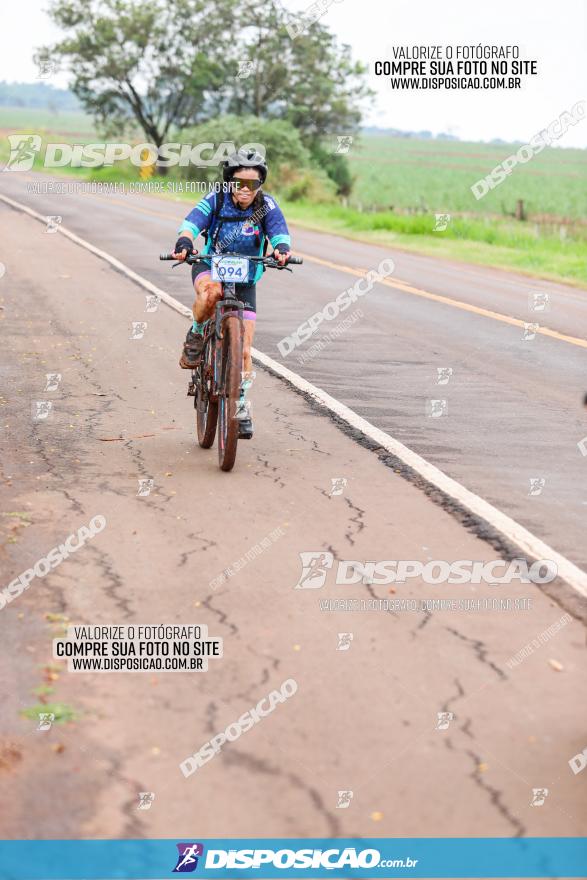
x: 344, y: 800
x: 537, y: 484
x: 539, y: 301
x: 46, y: 719
x: 53, y: 380
x: 146, y: 799
x: 138, y: 329
x: 246, y: 68
x: 53, y: 222
x: 338, y: 486
x: 47, y: 68
x: 443, y: 720
x: 314, y: 568
x: 443, y: 375
x: 23, y: 150
x: 41, y: 409
x: 539, y: 795
x: 530, y: 331
x: 145, y: 486
x: 441, y: 222
x: 436, y: 408
x: 187, y: 860
x: 345, y: 142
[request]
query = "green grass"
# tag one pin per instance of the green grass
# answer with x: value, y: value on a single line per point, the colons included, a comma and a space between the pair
x: 413, y: 175
x: 522, y: 247
x: 63, y: 713
x: 36, y: 119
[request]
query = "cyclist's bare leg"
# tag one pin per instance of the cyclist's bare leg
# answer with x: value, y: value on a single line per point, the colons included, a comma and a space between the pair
x: 243, y: 409
x: 248, y: 344
x: 208, y: 293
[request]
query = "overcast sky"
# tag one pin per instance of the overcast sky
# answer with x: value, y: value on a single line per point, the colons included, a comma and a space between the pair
x: 554, y: 34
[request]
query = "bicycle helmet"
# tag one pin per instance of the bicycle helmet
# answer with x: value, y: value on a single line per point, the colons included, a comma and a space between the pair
x: 244, y: 159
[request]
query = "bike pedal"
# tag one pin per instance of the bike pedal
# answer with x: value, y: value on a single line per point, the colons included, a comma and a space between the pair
x: 245, y: 431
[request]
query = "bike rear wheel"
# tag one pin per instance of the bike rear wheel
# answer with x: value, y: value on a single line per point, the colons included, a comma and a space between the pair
x: 229, y: 389
x: 205, y: 402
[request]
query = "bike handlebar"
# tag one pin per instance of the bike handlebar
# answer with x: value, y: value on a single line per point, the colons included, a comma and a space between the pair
x: 267, y: 261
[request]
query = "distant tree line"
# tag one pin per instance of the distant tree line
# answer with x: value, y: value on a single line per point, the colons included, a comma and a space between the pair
x: 39, y: 94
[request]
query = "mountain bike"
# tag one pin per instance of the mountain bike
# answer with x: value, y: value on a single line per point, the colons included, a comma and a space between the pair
x: 215, y: 384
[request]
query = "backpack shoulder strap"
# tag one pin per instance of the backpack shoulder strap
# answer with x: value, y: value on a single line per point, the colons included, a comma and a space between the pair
x: 219, y: 202
x: 264, y: 228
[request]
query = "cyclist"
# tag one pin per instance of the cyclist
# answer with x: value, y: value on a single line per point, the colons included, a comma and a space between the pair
x: 239, y: 219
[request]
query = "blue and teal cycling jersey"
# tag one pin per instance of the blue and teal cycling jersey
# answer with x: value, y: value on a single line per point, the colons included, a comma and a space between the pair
x: 241, y: 230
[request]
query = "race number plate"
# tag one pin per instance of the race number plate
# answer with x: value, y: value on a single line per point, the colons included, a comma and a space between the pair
x: 230, y: 269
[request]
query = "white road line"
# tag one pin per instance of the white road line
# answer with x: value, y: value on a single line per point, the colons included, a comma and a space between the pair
x: 170, y: 300
x: 508, y: 527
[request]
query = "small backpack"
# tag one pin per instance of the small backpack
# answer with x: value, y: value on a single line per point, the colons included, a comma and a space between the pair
x: 217, y: 215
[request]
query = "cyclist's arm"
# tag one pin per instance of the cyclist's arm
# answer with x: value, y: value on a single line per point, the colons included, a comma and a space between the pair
x: 277, y: 231
x: 198, y: 220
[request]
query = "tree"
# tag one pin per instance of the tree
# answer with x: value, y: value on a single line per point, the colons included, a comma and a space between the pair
x: 153, y: 66
x: 309, y: 80
x: 280, y: 141
x: 292, y: 175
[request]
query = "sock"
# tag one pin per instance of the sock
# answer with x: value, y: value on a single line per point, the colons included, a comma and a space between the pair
x: 247, y: 381
x: 197, y: 327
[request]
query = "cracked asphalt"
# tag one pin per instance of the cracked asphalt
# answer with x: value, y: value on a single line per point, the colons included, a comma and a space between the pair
x: 362, y: 720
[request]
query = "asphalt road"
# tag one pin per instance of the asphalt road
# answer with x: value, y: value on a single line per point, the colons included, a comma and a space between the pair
x: 513, y: 414
x: 363, y: 719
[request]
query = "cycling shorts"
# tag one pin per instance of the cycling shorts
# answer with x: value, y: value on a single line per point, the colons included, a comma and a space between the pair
x: 245, y: 293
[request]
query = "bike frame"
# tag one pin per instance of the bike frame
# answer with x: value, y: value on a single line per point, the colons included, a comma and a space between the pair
x: 228, y: 304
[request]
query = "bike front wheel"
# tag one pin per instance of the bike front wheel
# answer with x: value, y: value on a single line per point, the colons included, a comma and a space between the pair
x: 229, y: 390
x: 205, y: 401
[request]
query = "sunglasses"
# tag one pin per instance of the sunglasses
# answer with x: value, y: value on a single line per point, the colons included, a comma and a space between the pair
x: 242, y: 182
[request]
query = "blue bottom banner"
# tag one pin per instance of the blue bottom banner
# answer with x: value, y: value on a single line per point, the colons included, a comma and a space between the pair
x: 383, y: 857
